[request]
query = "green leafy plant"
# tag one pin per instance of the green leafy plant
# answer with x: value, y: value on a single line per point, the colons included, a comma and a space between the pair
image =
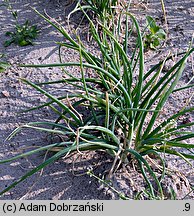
x: 23, y: 35
x: 156, y: 35
x: 117, y: 110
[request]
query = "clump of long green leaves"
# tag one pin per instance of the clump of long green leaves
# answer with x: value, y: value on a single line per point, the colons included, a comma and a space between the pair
x: 123, y: 103
x: 101, y: 7
x: 103, y: 10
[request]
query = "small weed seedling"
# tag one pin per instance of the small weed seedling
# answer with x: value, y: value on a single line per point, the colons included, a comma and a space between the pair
x: 157, y: 34
x: 22, y: 35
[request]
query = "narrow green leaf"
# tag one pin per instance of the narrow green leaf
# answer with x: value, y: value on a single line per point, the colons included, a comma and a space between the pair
x: 67, y: 109
x: 102, y: 129
x: 166, y: 95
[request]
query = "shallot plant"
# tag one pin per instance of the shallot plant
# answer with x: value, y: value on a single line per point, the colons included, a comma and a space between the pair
x: 118, y: 109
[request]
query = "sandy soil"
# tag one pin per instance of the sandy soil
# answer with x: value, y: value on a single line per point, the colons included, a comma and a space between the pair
x: 65, y: 179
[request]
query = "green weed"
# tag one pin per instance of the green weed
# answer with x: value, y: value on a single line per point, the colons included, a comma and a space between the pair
x: 156, y: 35
x: 22, y: 35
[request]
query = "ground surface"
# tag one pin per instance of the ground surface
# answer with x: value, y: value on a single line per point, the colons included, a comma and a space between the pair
x: 65, y: 179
